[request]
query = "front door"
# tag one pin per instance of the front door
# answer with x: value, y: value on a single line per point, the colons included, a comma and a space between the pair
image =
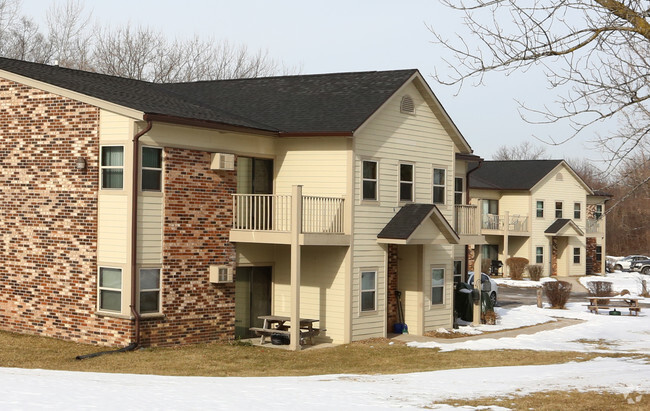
x: 252, y: 298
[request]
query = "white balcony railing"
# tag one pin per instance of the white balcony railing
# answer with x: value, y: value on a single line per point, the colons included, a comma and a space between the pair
x: 516, y: 223
x: 271, y: 212
x: 595, y: 226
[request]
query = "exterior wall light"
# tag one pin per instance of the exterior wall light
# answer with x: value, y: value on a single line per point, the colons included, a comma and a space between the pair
x: 80, y: 163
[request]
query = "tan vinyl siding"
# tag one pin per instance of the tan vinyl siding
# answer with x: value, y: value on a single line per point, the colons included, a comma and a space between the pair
x: 438, y: 315
x: 113, y: 232
x: 392, y: 137
x: 318, y: 164
x: 150, y: 229
x: 114, y: 127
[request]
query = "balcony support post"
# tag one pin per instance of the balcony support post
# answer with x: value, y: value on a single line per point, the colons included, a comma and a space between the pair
x: 296, y: 228
x: 477, y: 283
x: 506, y: 240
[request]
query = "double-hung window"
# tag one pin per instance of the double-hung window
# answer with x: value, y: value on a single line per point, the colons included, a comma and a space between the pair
x: 149, y: 290
x: 458, y: 190
x: 112, y: 167
x: 576, y: 211
x: 539, y: 209
x: 439, y: 185
x: 558, y: 209
x: 368, y: 290
x: 539, y: 255
x: 599, y: 253
x: 576, y: 255
x: 599, y: 211
x: 406, y: 182
x: 437, y: 285
x: 369, y: 180
x: 110, y: 289
x: 151, y: 169
x: 458, y: 271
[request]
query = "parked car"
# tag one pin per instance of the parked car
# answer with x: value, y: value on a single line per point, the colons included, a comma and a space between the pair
x: 487, y: 284
x: 624, y: 264
x: 641, y: 266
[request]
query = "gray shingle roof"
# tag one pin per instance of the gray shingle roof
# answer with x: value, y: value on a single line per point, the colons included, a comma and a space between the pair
x: 511, y: 175
x: 406, y: 221
x: 292, y: 104
x: 557, y: 225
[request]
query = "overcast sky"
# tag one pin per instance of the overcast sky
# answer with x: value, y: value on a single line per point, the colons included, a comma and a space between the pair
x: 354, y: 35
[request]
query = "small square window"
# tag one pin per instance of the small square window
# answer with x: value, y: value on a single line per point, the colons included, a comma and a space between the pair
x: 369, y: 180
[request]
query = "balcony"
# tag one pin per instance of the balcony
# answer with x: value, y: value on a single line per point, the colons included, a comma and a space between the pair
x: 268, y: 218
x: 466, y: 224
x: 595, y: 226
x: 504, y: 224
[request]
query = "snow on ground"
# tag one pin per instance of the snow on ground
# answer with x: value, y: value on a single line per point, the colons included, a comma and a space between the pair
x: 525, y: 283
x: 43, y: 389
x: 22, y: 389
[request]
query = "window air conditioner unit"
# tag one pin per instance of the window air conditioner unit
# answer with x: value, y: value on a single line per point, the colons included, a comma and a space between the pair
x: 222, y: 161
x: 220, y: 274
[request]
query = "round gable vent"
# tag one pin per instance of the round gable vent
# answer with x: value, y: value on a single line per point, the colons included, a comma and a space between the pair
x: 407, y: 105
x: 559, y: 177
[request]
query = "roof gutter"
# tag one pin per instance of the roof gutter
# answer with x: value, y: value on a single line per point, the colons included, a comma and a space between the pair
x: 134, y: 229
x: 206, y: 124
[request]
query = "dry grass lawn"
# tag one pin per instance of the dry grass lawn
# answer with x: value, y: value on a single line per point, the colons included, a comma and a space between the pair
x: 562, y: 400
x: 368, y: 357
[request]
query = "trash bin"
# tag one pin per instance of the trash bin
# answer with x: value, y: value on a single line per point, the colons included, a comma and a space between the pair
x: 463, y: 301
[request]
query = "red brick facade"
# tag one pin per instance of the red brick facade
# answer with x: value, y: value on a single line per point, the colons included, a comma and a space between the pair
x: 392, y: 286
x: 48, y: 218
x: 197, y: 221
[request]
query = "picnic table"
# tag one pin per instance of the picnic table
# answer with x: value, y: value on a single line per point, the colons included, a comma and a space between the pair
x: 606, y: 303
x: 278, y: 324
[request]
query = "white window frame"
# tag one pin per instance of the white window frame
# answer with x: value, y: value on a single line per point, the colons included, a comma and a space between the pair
x: 443, y: 185
x: 100, y: 289
x: 444, y: 274
x: 561, y: 209
x: 576, y: 253
x: 158, y: 289
x: 102, y: 167
x: 460, y: 273
x: 538, y: 209
x: 375, y: 180
x: 142, y: 168
x: 599, y: 211
x: 537, y: 254
x: 373, y: 290
x: 579, y: 211
x: 412, y: 182
x: 461, y: 192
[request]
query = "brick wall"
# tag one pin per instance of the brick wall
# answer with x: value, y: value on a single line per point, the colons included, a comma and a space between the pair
x: 48, y: 218
x: 197, y: 221
x: 392, y: 287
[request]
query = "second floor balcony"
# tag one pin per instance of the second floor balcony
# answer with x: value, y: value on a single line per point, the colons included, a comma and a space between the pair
x: 269, y: 218
x: 595, y: 226
x: 469, y: 222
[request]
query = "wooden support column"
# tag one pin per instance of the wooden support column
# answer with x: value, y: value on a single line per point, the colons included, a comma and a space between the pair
x: 296, y: 229
x: 477, y: 282
x: 506, y: 244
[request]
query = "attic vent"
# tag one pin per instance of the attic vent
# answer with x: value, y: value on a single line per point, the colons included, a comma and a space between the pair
x: 407, y: 105
x: 559, y: 177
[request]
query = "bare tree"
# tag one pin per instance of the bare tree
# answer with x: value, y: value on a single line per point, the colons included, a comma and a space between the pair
x: 68, y: 35
x: 523, y: 151
x: 597, y: 53
x: 589, y: 173
x: 9, y: 15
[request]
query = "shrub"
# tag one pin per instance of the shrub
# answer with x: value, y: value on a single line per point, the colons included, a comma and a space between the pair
x: 600, y: 288
x: 535, y: 271
x: 557, y: 293
x: 517, y: 265
x: 489, y: 317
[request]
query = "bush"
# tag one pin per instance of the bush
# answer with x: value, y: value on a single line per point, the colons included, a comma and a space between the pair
x: 600, y: 288
x: 557, y: 293
x: 517, y: 265
x: 535, y: 271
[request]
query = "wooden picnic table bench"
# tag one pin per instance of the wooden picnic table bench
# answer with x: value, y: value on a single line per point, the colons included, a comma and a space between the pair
x: 277, y: 324
x: 607, y: 303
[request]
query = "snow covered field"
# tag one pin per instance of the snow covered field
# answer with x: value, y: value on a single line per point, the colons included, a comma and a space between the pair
x: 22, y: 389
